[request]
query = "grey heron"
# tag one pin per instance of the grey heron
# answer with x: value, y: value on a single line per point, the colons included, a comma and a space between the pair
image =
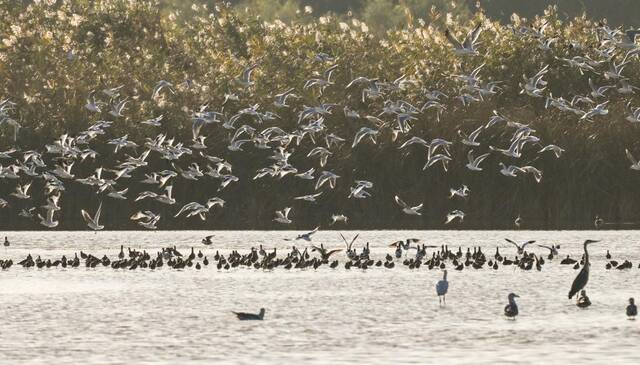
x: 442, y: 287
x: 583, y: 276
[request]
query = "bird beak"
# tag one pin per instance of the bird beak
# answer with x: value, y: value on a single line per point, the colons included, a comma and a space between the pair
x: 516, y: 296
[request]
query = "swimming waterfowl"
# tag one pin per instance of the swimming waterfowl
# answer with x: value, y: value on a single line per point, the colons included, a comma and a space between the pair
x: 632, y: 310
x: 583, y: 300
x: 511, y: 309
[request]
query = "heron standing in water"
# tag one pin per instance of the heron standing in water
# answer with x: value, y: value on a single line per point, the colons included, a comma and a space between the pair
x: 583, y: 276
x: 441, y: 288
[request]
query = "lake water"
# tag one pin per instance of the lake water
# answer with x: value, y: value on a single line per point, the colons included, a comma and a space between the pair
x: 328, y: 316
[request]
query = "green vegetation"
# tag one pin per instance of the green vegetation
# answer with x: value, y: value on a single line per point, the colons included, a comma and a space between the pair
x: 53, y: 56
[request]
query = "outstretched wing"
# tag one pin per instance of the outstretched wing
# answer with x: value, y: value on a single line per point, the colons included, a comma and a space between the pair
x: 87, y: 218
x: 400, y: 202
x: 452, y: 39
x: 511, y: 242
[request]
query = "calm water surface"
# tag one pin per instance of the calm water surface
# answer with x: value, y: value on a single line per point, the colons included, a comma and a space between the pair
x: 378, y: 316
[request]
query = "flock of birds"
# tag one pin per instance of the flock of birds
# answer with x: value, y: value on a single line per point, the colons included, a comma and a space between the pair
x: 385, y: 116
x: 410, y: 252
x: 382, y: 114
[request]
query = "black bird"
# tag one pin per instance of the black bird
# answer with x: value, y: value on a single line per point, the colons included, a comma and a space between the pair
x: 583, y: 300
x: 207, y: 240
x: 6, y: 242
x: 511, y: 309
x: 583, y: 276
x: 250, y: 316
x: 632, y: 310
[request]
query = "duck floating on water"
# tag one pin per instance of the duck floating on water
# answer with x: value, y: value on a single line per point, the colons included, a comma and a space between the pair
x: 632, y: 310
x: 250, y: 316
x: 583, y: 299
x: 511, y: 309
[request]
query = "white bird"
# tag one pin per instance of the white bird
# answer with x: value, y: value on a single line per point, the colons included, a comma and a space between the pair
x: 414, y: 140
x: 244, y: 80
x: 599, y: 109
x: 307, y: 175
x: 462, y: 192
x: 510, y: 171
x: 470, y: 140
x: 48, y: 221
x: 338, y: 218
x: 552, y: 147
x: 282, y: 216
x: 407, y: 209
x: 520, y: 247
x: 537, y: 174
x: 307, y: 236
x: 364, y: 132
x: 146, y: 219
x: 474, y: 163
x: 120, y: 195
x: 309, y: 198
x: 635, y: 164
x: 161, y: 85
x: 468, y: 46
x: 453, y: 215
x: 93, y: 222
x: 327, y: 177
x: 22, y: 192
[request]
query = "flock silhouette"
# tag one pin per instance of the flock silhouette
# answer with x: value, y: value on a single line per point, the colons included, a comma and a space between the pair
x: 408, y: 253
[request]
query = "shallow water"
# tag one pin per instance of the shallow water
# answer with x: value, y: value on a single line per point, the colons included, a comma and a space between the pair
x: 377, y: 316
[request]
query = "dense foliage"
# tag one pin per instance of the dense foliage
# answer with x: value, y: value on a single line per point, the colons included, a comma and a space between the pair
x: 53, y: 54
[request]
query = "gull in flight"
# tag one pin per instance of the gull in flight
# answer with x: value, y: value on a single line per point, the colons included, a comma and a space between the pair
x: 146, y: 219
x: 280, y: 100
x: 453, y: 215
x: 93, y: 222
x: 48, y: 221
x: 510, y: 171
x: 282, y: 216
x: 161, y: 85
x: 468, y: 47
x: 474, y: 163
x: 327, y: 176
x: 599, y: 109
x: 531, y: 86
x: 555, y: 149
x: 470, y: 140
x: 22, y: 191
x: 364, y: 132
x: 635, y: 164
x: 245, y: 78
x: 407, y: 209
x: 309, y: 198
x: 338, y: 218
x: 307, y: 236
x: 351, y: 253
x: 462, y: 192
x: 520, y: 247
